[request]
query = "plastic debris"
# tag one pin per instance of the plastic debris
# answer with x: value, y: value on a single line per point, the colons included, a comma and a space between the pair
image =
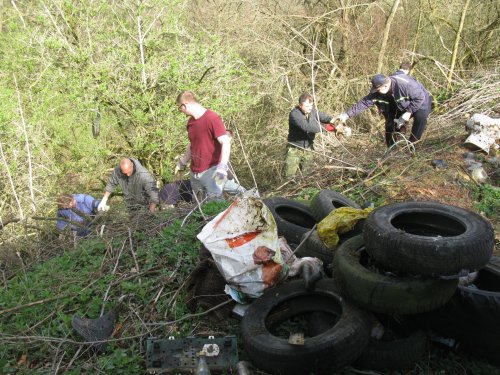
x: 243, y: 241
x: 339, y: 221
x: 439, y: 164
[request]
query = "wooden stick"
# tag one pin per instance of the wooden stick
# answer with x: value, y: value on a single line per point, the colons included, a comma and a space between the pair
x: 133, y: 254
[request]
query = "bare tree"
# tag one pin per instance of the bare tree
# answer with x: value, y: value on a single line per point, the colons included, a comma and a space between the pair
x: 457, y: 42
x: 386, y: 35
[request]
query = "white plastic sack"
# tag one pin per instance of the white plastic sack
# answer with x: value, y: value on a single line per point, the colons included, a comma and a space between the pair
x: 243, y: 241
x: 484, y: 131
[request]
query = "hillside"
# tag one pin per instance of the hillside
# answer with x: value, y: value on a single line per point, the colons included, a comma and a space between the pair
x: 141, y: 265
x: 86, y: 83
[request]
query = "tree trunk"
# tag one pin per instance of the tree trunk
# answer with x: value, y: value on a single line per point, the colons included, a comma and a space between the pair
x: 386, y: 35
x: 457, y: 42
x: 417, y: 33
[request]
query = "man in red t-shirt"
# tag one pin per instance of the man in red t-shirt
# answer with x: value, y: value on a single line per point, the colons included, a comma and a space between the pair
x: 209, y: 146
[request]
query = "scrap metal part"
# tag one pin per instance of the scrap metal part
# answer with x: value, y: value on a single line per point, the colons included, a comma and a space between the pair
x: 166, y: 356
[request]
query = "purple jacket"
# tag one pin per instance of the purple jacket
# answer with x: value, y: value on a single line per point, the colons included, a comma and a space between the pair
x: 406, y: 93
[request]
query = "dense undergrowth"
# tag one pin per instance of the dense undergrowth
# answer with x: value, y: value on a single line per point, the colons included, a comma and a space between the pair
x: 137, y: 272
x: 138, y: 268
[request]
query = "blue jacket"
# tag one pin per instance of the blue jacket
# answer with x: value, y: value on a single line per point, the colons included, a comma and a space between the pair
x: 85, y: 204
x: 406, y: 95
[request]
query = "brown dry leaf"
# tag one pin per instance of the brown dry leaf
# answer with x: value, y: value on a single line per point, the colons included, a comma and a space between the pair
x: 22, y: 360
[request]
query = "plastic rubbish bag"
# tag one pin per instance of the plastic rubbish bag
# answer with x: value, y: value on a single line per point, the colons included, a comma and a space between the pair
x: 339, y: 221
x: 243, y: 241
x: 484, y: 132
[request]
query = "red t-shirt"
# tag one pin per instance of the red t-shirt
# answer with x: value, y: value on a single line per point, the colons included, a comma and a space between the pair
x: 203, y: 134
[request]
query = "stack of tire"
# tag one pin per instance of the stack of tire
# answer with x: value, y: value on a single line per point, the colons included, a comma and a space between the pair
x: 403, y: 266
x: 472, y: 317
x: 409, y: 260
x: 294, y: 221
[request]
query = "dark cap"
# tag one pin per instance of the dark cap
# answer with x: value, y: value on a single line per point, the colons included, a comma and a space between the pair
x: 379, y: 80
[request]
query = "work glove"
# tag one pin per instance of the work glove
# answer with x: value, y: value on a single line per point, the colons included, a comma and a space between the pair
x: 342, y: 117
x: 406, y: 116
x: 103, y: 206
x: 220, y: 175
x: 178, y: 167
x: 399, y: 122
x: 330, y: 127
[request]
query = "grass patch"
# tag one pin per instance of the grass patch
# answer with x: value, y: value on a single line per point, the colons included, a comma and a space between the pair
x: 487, y: 200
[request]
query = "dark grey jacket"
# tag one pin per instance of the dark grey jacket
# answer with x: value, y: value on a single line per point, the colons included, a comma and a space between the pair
x: 406, y: 95
x: 302, y: 129
x: 138, y: 189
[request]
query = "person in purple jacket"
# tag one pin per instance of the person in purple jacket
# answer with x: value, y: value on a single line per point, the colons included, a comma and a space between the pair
x: 398, y: 97
x: 74, y: 211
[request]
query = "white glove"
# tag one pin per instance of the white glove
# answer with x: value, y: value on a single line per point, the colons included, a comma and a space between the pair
x: 103, y: 206
x: 406, y: 116
x: 399, y: 122
x: 342, y: 117
x: 344, y: 130
x: 220, y: 175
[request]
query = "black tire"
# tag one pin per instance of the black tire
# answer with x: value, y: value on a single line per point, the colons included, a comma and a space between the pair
x: 321, y: 354
x: 328, y: 200
x: 428, y: 238
x: 384, y: 293
x: 357, y: 229
x: 461, y: 321
x: 484, y: 294
x: 396, y: 354
x: 205, y: 290
x: 314, y: 246
x: 293, y: 219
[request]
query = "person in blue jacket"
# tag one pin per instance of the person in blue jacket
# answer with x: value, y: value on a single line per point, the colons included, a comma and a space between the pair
x: 74, y: 211
x: 399, y: 98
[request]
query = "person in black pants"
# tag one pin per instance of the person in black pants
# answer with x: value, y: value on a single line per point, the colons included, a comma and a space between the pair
x: 399, y: 98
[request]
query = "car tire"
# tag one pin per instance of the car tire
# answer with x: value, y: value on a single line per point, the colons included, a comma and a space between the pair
x: 382, y: 292
x: 293, y: 219
x: 397, y: 353
x: 337, y: 347
x: 328, y: 200
x: 314, y: 246
x: 428, y: 238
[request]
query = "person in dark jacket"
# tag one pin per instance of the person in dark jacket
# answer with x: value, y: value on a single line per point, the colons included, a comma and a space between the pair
x: 398, y: 97
x: 304, y: 122
x: 74, y: 211
x: 404, y: 68
x: 137, y: 183
x: 174, y: 192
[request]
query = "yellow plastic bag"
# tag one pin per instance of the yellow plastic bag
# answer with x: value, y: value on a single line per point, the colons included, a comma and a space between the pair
x: 339, y: 221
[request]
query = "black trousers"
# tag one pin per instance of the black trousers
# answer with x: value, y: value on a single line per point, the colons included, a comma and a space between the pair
x: 419, y: 123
